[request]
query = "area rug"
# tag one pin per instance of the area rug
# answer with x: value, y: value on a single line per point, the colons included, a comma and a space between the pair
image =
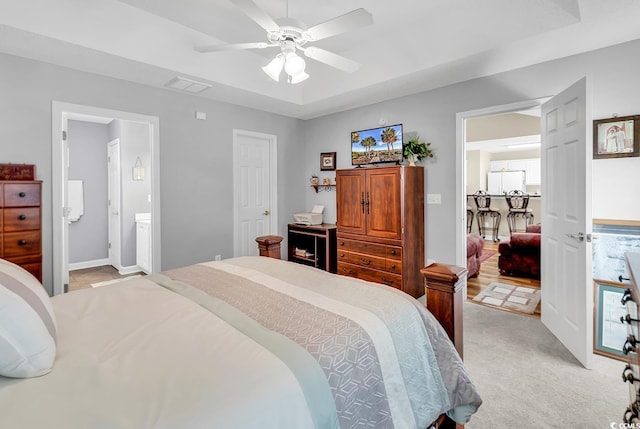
x: 510, y: 297
x: 486, y: 254
x: 110, y: 282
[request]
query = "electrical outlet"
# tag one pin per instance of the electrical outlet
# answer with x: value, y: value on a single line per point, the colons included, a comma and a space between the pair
x: 218, y: 257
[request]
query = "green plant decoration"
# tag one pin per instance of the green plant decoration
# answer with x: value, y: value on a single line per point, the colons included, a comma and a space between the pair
x: 417, y: 148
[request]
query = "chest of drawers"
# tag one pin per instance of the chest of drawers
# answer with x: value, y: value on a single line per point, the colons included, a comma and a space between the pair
x: 20, y: 224
x: 370, y: 261
x: 631, y: 347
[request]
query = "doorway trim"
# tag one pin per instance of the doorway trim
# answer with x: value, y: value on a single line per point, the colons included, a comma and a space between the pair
x: 461, y: 165
x: 273, y: 183
x: 60, y: 113
x: 114, y: 196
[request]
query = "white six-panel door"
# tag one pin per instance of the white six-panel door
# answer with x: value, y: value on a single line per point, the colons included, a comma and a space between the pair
x: 254, y: 190
x: 567, y: 289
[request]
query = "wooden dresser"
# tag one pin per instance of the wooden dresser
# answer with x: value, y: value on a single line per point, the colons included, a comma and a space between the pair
x: 631, y: 372
x: 20, y: 224
x: 380, y: 225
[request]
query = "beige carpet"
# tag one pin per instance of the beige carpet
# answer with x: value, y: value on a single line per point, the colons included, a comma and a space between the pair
x: 527, y: 379
x: 109, y: 282
x: 510, y: 297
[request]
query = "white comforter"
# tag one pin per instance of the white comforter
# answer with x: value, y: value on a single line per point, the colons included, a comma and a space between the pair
x: 137, y: 355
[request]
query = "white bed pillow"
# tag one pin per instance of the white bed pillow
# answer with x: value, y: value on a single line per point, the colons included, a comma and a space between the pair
x: 27, y: 324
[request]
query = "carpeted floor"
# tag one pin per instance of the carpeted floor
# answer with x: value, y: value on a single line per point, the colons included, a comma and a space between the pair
x: 528, y: 379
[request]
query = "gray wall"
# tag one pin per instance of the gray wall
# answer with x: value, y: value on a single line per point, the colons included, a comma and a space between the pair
x: 432, y: 114
x: 195, y: 156
x: 88, y: 237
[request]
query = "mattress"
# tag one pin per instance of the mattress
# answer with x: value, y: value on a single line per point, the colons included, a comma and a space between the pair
x: 243, y: 343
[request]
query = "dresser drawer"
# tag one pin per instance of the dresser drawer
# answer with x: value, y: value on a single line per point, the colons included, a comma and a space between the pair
x: 362, y: 247
x: 21, y: 243
x: 393, y: 252
x: 393, y: 266
x: 367, y: 261
x: 21, y: 219
x: 369, y: 274
x: 31, y: 263
x: 21, y: 194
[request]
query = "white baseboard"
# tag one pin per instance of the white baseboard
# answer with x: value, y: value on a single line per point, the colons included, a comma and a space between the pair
x: 102, y: 262
x: 129, y: 270
x: 89, y: 264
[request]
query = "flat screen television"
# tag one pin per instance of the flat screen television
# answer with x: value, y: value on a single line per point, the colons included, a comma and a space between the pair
x: 376, y: 145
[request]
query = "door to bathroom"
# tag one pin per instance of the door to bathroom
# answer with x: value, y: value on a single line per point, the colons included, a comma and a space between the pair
x: 113, y: 202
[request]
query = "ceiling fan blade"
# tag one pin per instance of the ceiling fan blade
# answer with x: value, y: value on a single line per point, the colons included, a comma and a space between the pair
x: 348, y: 21
x: 329, y: 58
x: 258, y: 15
x: 233, y: 47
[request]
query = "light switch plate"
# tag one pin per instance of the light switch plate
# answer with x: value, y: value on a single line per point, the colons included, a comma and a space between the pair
x: 434, y: 199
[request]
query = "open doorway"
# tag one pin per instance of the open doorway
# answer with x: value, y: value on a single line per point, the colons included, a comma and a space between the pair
x: 137, y: 137
x: 500, y: 138
x: 502, y: 159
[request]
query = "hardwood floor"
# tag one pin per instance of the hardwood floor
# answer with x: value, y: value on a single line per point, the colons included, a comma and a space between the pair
x: 82, y: 279
x: 489, y: 273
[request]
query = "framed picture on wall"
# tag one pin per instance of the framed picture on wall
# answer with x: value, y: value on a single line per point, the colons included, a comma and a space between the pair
x: 609, y: 332
x: 328, y: 161
x: 616, y: 137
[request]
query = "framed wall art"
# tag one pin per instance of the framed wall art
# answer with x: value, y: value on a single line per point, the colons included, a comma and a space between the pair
x: 609, y: 332
x: 328, y: 161
x: 616, y: 137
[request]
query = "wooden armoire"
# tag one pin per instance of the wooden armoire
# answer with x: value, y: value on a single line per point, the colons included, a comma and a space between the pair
x: 380, y: 225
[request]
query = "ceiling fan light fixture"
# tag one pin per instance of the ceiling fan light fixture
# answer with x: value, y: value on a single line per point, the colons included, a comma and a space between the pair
x: 298, y: 78
x: 274, y: 68
x: 294, y: 64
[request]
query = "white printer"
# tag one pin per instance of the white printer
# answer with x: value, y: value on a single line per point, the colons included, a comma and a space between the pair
x: 313, y: 218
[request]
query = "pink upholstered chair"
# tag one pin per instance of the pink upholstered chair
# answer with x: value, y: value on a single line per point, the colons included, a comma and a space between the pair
x: 475, y: 245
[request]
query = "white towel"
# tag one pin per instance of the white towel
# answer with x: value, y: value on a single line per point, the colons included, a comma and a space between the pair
x: 75, y: 200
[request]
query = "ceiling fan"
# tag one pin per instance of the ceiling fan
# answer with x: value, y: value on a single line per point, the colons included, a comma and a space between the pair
x: 291, y: 35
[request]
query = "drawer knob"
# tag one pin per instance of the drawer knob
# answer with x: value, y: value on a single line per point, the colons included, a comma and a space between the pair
x: 393, y: 252
x: 22, y: 242
x: 628, y: 319
x: 365, y: 261
x: 629, y: 345
x: 22, y: 217
x: 630, y: 415
x: 22, y: 195
x: 626, y: 297
x: 393, y: 267
x: 387, y: 281
x: 342, y: 243
x: 627, y: 375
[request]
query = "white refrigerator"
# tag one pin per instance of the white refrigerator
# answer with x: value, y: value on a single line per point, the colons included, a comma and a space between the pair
x: 499, y: 182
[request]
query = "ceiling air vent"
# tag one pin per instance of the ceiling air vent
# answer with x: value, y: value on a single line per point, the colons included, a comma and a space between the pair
x: 187, y: 85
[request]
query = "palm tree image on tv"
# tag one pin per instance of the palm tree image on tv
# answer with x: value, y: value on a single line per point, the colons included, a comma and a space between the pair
x: 376, y: 145
x: 389, y: 138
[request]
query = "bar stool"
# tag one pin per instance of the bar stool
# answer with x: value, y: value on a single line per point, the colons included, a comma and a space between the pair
x: 518, y: 202
x: 469, y: 219
x: 483, y: 202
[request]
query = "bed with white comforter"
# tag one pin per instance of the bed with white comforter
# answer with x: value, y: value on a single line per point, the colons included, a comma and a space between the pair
x: 249, y: 342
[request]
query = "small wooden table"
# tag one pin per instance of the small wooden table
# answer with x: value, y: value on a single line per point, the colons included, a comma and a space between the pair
x: 269, y: 245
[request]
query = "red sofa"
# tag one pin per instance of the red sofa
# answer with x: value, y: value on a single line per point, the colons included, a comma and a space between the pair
x: 520, y: 255
x: 475, y: 244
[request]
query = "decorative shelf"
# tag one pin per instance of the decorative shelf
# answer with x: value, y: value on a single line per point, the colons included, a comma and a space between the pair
x: 331, y: 187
